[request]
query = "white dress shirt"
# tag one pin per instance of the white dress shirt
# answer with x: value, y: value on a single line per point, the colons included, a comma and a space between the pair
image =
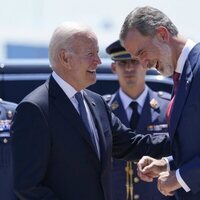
x: 126, y: 100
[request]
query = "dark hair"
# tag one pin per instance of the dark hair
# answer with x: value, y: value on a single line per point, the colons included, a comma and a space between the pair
x: 146, y: 20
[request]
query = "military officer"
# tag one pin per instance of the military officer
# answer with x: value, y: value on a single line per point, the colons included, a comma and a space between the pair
x: 6, y: 113
x: 140, y: 108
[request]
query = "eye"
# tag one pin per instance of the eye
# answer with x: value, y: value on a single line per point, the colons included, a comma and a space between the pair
x: 122, y: 62
x: 142, y: 54
x: 90, y: 54
x: 135, y: 62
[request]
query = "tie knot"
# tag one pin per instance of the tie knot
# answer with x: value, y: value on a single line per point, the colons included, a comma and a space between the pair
x: 134, y: 105
x: 78, y: 96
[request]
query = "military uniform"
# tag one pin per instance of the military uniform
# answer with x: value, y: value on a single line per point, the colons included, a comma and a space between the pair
x: 125, y: 182
x: 6, y: 113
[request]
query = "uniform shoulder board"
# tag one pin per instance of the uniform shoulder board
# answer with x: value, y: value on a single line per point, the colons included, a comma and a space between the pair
x: 107, y: 97
x: 164, y: 95
x: 8, y: 104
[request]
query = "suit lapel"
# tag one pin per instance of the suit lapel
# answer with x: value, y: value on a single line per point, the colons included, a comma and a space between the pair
x: 92, y: 106
x: 66, y: 108
x: 181, y: 97
x: 184, y: 88
x: 118, y: 109
x: 150, y: 112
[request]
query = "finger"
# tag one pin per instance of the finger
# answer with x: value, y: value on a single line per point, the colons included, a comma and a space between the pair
x: 142, y: 162
x: 145, y: 177
x: 158, y: 185
x: 149, y: 169
x: 139, y: 166
x: 171, y: 193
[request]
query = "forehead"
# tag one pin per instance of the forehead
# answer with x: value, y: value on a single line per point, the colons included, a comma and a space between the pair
x: 85, y: 40
x: 135, y: 41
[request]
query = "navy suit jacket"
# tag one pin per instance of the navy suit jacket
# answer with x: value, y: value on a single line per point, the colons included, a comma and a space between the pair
x: 152, y: 121
x: 53, y: 154
x: 185, y: 126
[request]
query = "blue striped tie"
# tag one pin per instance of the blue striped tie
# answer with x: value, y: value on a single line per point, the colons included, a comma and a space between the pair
x: 83, y: 114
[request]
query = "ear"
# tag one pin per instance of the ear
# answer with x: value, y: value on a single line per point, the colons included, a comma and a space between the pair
x: 162, y: 33
x: 113, y: 67
x: 64, y: 58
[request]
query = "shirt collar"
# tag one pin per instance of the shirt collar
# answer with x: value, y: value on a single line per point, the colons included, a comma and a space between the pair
x: 126, y: 100
x: 66, y: 87
x: 184, y: 54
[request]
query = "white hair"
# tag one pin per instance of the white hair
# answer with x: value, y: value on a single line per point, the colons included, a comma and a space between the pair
x: 63, y: 38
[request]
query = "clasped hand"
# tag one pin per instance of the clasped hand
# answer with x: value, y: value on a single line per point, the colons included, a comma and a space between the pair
x: 150, y: 168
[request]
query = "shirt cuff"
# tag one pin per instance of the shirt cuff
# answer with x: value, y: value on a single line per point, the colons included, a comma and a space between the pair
x: 181, y: 181
x: 168, y: 159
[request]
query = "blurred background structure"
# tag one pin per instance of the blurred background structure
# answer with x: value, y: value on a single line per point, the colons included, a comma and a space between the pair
x: 26, y: 25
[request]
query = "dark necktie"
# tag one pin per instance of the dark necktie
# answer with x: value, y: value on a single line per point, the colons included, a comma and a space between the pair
x: 135, y: 115
x: 175, y: 77
x: 83, y: 114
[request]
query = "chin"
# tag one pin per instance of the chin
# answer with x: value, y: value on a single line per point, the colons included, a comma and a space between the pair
x: 91, y: 83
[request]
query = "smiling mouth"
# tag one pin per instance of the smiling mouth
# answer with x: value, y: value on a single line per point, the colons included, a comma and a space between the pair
x: 92, y: 71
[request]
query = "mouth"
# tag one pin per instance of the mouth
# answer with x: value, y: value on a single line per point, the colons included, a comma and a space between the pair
x: 92, y: 71
x: 130, y: 75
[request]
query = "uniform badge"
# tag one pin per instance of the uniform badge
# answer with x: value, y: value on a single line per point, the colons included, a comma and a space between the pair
x: 5, y: 130
x: 154, y: 104
x: 158, y: 127
x: 114, y: 105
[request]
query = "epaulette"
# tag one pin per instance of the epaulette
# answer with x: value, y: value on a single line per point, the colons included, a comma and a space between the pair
x: 164, y: 95
x: 107, y: 97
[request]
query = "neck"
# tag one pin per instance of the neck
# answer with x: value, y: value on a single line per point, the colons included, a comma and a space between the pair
x: 177, y: 44
x: 133, y: 92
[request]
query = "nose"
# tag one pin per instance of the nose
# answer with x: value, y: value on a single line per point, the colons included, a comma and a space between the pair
x: 129, y: 67
x: 98, y: 60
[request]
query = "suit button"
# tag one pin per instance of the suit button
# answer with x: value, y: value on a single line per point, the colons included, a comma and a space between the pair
x: 136, y: 196
x: 136, y: 180
x: 5, y: 140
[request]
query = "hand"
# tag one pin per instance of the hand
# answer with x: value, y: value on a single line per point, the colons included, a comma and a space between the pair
x: 149, y: 168
x: 167, y: 183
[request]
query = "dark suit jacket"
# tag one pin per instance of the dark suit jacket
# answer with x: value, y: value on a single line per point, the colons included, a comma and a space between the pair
x: 185, y: 126
x: 52, y: 151
x: 152, y: 121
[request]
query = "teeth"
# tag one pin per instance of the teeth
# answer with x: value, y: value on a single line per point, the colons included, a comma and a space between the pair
x: 92, y: 71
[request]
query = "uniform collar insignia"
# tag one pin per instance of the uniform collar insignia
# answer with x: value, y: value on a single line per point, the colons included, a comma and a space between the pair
x: 154, y: 103
x: 114, y: 105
